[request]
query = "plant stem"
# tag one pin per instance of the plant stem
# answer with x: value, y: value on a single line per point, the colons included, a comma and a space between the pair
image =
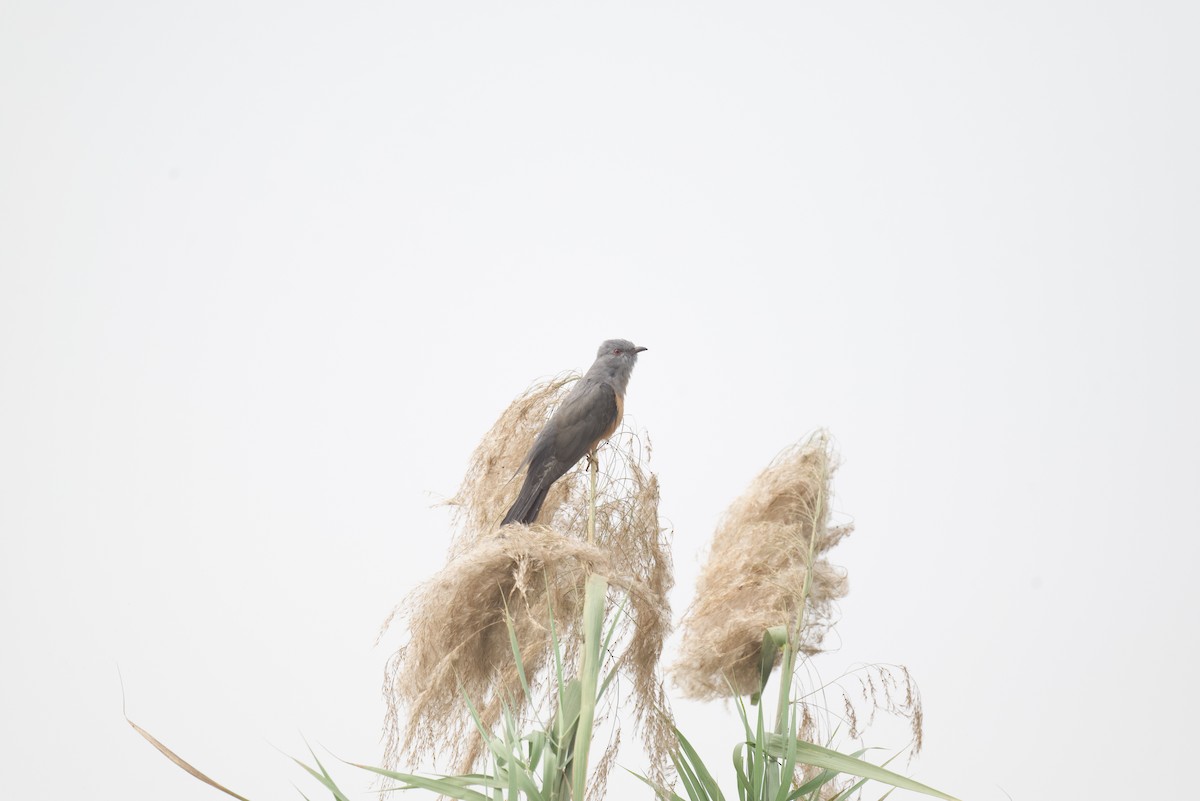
x: 589, y: 679
x: 787, y: 669
x: 593, y: 469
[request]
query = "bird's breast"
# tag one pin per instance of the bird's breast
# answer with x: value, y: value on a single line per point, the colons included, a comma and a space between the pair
x: 617, y: 419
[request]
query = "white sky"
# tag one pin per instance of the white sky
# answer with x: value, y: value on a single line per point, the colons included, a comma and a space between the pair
x: 269, y: 270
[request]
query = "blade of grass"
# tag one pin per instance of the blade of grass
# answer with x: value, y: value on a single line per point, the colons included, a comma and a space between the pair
x: 761, y: 777
x: 593, y: 622
x: 690, y: 784
x: 773, y: 639
x: 516, y: 652
x: 324, y: 779
x: 180, y: 762
x: 743, y: 779
x: 846, y: 794
x: 702, y: 772
x: 660, y: 791
x: 821, y: 779
x: 821, y: 757
x: 449, y: 786
x: 537, y: 746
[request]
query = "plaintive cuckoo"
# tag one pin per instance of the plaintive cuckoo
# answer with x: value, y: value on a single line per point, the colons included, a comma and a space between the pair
x: 589, y: 415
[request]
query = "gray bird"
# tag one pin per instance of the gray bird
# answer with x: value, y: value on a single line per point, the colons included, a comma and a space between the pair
x: 589, y: 415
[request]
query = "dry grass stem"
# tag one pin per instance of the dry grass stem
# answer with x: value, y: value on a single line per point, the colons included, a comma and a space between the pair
x: 458, y: 640
x: 757, y: 573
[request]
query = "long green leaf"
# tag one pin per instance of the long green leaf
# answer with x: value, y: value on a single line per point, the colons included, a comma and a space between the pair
x: 324, y: 779
x: 661, y: 791
x: 743, y: 779
x: 324, y: 776
x: 551, y: 776
x: 774, y: 638
x: 451, y: 787
x: 608, y: 679
x: 569, y: 703
x: 821, y: 757
x: 845, y: 795
x: 537, y: 746
x: 593, y: 624
x: 702, y: 773
x: 614, y: 625
x: 761, y: 777
x: 820, y: 780
x: 516, y: 652
x: 690, y: 784
x: 506, y: 754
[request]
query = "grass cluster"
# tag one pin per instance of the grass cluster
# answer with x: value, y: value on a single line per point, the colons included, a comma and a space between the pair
x: 515, y: 580
x: 766, y: 567
x: 516, y: 647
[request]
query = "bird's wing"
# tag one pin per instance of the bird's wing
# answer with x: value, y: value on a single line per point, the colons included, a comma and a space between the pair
x: 586, y: 416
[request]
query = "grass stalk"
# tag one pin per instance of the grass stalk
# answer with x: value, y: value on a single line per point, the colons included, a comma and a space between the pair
x: 593, y: 470
x: 787, y: 668
x: 589, y: 678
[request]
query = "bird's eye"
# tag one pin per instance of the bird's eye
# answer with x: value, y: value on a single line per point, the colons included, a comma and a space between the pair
x: 616, y: 351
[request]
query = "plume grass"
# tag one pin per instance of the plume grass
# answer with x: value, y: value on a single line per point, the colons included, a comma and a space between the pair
x: 513, y: 646
x: 766, y: 567
x: 458, y: 623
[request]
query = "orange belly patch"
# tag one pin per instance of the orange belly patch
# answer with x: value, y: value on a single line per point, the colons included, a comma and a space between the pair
x: 617, y: 420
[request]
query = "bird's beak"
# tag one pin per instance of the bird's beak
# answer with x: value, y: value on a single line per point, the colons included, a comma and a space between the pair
x: 639, y: 349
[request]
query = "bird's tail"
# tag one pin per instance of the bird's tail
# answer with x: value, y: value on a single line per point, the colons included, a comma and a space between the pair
x: 529, y: 502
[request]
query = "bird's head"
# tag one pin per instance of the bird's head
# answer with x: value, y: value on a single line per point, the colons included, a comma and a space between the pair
x: 621, y: 350
x: 614, y: 362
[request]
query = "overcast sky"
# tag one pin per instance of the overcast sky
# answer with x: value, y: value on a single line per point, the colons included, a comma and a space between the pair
x: 268, y: 271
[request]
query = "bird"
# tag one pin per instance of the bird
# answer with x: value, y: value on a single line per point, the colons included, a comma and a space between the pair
x: 589, y: 415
